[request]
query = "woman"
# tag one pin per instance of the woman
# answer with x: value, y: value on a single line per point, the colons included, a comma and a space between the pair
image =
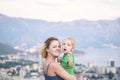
x: 52, y: 70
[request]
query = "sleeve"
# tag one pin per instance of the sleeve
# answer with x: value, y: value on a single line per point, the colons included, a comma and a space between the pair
x: 60, y: 57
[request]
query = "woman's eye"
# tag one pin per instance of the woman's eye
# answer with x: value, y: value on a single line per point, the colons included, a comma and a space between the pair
x: 64, y: 43
x: 59, y: 46
x: 54, y: 46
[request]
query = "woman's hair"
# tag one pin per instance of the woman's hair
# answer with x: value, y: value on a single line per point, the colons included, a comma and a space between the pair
x: 46, y: 45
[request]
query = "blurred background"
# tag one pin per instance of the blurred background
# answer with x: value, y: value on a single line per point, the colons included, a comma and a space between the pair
x: 26, y: 24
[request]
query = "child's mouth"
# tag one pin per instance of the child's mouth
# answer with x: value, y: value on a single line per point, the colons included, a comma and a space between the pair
x: 65, y: 49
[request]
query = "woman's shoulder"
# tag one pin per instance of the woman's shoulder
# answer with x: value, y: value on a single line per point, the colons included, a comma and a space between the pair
x: 55, y: 65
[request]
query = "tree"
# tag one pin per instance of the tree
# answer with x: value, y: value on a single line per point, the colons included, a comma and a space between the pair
x: 110, y: 75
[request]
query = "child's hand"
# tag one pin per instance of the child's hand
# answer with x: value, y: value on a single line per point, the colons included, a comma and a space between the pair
x: 70, y: 61
x: 69, y: 52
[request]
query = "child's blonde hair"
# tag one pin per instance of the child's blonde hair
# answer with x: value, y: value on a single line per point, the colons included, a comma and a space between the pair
x: 72, y: 41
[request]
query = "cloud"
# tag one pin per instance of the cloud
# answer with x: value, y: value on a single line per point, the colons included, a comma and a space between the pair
x: 61, y: 10
x: 91, y: 48
x: 31, y: 50
x: 110, y: 46
x: 18, y: 48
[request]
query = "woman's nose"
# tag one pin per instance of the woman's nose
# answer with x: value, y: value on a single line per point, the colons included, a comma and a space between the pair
x: 58, y: 48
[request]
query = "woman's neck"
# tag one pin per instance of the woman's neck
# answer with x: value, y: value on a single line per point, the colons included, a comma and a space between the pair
x: 50, y: 58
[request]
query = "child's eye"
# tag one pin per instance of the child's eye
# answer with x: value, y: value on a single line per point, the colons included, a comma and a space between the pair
x: 68, y: 44
x: 63, y: 43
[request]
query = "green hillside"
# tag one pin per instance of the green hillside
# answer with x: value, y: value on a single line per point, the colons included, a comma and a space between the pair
x: 5, y: 49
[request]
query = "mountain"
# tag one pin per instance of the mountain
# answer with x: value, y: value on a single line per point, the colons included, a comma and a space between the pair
x: 88, y: 34
x: 6, y: 49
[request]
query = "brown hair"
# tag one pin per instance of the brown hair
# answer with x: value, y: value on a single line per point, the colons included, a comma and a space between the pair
x: 46, y: 45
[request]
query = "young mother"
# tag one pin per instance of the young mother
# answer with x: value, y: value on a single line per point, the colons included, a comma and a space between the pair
x: 52, y: 70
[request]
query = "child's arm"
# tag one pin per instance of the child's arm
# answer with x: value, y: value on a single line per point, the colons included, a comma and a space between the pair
x: 70, y: 61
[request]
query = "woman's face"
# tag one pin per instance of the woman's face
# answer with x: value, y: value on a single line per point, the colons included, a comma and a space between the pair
x: 54, y: 48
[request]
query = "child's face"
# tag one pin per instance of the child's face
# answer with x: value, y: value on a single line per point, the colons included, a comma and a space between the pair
x: 67, y: 46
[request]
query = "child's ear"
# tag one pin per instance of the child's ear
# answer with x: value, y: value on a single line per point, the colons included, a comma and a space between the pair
x: 71, y: 49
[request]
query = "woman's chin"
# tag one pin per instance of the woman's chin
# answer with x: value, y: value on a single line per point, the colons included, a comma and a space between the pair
x: 57, y: 55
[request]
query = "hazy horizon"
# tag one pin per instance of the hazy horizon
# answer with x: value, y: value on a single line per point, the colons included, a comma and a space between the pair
x: 61, y: 10
x: 99, y: 57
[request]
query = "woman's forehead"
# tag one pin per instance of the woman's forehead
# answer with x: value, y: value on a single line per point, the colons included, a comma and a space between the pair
x: 55, y: 42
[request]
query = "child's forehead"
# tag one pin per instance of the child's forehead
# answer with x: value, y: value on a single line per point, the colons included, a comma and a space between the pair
x: 67, y: 41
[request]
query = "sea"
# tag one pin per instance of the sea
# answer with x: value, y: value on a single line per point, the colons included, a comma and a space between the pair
x: 99, y: 57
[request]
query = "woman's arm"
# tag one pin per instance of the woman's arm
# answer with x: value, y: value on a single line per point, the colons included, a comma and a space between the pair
x: 61, y: 72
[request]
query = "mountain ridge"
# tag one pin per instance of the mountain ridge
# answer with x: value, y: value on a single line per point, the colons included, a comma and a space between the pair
x: 6, y: 49
x: 17, y: 31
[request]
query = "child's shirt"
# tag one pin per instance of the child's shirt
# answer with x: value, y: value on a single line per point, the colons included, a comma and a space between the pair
x: 64, y: 64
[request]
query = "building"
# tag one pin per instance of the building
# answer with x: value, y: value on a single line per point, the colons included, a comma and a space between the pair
x: 111, y: 63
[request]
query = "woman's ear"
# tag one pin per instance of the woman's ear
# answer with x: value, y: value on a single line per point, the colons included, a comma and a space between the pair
x: 47, y: 50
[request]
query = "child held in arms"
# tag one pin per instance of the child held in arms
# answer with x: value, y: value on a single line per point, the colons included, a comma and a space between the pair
x: 67, y: 60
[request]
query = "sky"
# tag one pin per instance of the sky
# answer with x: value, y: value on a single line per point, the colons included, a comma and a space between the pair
x: 61, y: 10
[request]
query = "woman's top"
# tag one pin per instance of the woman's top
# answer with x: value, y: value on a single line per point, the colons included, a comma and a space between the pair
x: 47, y: 77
